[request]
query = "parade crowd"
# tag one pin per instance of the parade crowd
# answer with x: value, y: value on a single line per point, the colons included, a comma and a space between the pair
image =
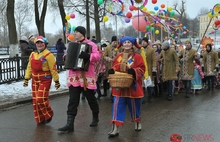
x: 156, y: 68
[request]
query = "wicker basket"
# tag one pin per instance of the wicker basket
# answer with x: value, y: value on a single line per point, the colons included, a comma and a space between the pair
x: 120, y: 80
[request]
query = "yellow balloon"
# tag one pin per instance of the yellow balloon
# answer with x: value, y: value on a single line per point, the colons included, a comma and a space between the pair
x: 169, y: 9
x: 105, y: 18
x: 67, y: 17
x: 157, y: 32
x: 210, y: 15
x: 144, y: 9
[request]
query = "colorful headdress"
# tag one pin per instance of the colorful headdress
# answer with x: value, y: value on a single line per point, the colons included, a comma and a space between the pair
x: 131, y: 39
x: 40, y: 38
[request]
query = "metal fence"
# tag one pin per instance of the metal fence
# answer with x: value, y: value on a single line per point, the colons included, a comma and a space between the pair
x: 13, y: 69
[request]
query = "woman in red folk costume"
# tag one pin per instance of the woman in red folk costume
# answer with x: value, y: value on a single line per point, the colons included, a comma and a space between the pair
x: 41, y: 69
x: 132, y: 63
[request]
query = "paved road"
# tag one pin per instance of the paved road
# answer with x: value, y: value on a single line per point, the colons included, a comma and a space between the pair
x: 197, y: 119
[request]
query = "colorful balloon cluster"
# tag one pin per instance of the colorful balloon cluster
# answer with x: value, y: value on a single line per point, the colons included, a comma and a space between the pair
x: 68, y: 28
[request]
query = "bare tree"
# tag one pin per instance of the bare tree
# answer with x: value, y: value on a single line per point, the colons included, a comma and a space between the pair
x: 40, y: 19
x: 23, y: 16
x: 13, y: 40
x: 3, y: 26
x: 202, y: 11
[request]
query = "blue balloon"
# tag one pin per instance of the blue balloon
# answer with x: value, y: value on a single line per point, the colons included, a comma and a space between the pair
x: 156, y: 8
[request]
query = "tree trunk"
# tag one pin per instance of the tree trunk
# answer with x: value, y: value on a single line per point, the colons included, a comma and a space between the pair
x: 40, y: 21
x: 13, y: 40
x: 87, y: 19
x: 62, y: 14
x: 97, y: 23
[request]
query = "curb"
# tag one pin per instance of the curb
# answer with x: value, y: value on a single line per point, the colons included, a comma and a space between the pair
x: 29, y: 99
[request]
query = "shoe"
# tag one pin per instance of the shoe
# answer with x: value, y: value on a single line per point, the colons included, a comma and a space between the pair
x: 137, y: 126
x: 114, y: 132
x: 169, y: 98
x: 187, y: 96
x: 41, y: 123
x: 69, y: 127
x: 95, y: 119
x: 48, y: 120
x: 104, y: 95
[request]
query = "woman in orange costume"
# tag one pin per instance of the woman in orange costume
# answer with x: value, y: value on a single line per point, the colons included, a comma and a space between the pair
x: 41, y: 69
x: 132, y: 63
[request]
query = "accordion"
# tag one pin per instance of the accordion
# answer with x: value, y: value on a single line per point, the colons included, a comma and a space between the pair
x: 72, y: 60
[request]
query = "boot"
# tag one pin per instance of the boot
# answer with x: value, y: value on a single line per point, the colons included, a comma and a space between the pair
x: 176, y: 91
x: 95, y: 119
x: 114, y: 132
x: 137, y: 126
x: 187, y: 96
x: 69, y: 127
x: 169, y: 98
x: 99, y: 94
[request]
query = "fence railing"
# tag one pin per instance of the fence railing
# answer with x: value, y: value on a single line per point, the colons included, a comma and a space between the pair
x: 13, y: 69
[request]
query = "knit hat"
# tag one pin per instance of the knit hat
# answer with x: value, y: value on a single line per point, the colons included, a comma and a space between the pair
x: 131, y: 39
x: 30, y: 37
x: 114, y: 38
x: 24, y: 38
x: 81, y: 29
x: 166, y: 44
x: 188, y: 41
x: 145, y: 39
x: 41, y: 38
x: 158, y: 42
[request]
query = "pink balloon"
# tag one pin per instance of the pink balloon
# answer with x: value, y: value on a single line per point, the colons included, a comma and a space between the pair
x: 72, y: 15
x: 131, y: 8
x: 142, y: 23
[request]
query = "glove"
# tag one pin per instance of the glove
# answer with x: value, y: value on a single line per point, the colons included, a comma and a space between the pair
x: 203, y: 69
x: 84, y: 55
x: 57, y: 84
x: 154, y: 73
x: 25, y: 83
x: 111, y: 71
x: 132, y: 72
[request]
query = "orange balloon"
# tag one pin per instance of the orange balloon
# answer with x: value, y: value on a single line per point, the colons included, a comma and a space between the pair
x: 70, y: 38
x: 162, y: 5
x: 181, y: 25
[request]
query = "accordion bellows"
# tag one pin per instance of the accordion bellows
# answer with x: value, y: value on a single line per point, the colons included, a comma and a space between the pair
x: 72, y: 58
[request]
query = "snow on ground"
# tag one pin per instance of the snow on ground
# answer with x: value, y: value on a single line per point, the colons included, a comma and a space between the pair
x: 16, y: 90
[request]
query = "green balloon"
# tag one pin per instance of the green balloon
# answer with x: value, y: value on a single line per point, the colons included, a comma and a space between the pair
x: 100, y: 2
x: 73, y: 28
x: 152, y: 28
x: 147, y: 27
x: 172, y: 13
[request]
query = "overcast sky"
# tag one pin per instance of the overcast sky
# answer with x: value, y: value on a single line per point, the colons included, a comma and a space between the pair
x: 192, y: 8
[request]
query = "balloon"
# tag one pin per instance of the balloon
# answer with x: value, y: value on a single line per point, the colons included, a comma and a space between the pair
x: 210, y: 14
x: 144, y: 9
x: 70, y: 37
x: 169, y: 9
x: 105, y: 18
x: 67, y: 17
x: 147, y: 27
x: 152, y: 28
x: 157, y: 32
x: 73, y: 28
x: 154, y: 1
x: 142, y: 23
x: 217, y: 22
x: 181, y: 25
x: 172, y: 13
x: 184, y: 27
x: 127, y: 20
x: 100, y: 2
x: 156, y: 8
x: 129, y: 15
x: 72, y: 16
x: 162, y: 5
x: 131, y: 8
